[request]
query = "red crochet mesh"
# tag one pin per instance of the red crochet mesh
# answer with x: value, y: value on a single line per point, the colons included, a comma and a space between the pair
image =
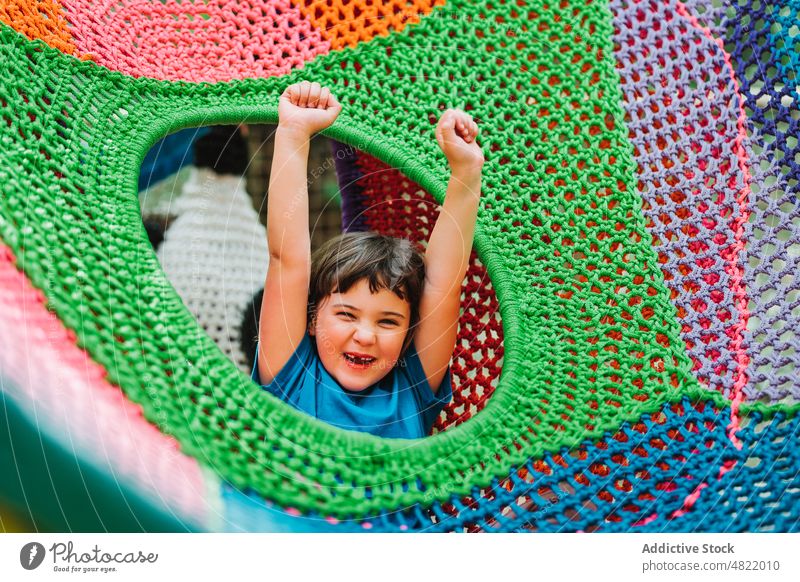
x: 396, y: 206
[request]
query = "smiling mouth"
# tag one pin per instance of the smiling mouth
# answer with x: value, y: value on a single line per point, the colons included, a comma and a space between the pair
x: 359, y: 361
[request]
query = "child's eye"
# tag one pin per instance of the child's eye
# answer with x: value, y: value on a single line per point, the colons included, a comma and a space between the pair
x: 346, y: 315
x: 388, y: 322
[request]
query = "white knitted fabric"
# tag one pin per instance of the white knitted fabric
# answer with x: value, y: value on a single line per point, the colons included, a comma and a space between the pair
x: 215, y: 255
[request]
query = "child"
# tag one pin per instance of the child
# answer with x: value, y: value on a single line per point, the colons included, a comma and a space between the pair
x: 362, y: 335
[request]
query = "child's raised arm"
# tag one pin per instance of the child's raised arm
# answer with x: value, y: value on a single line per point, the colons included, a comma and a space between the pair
x: 304, y: 109
x: 449, y: 247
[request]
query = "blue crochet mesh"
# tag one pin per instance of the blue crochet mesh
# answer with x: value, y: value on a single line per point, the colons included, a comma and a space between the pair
x: 785, y: 38
x: 761, y: 65
x: 760, y: 492
x: 673, y: 471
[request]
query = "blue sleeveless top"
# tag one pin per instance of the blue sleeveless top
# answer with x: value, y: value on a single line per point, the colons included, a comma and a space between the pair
x: 399, y: 405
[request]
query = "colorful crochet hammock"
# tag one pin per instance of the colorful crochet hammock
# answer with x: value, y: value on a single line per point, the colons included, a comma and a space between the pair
x: 639, y: 224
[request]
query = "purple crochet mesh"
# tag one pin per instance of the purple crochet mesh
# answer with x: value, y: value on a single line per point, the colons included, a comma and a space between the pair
x: 708, y: 15
x: 773, y: 233
x: 682, y: 111
x: 348, y: 174
x: 773, y: 265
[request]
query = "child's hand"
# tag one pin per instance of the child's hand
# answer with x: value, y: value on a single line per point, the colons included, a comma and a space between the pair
x: 456, y: 133
x: 307, y: 107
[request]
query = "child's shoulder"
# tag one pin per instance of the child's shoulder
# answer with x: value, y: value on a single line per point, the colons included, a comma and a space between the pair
x: 290, y: 377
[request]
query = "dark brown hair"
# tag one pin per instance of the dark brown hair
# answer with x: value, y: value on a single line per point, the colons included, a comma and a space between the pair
x: 383, y: 261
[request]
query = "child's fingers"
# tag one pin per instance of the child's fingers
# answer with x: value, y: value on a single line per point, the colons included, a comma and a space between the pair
x: 290, y: 93
x: 447, y: 121
x: 466, y: 120
x: 323, y: 98
x: 464, y: 127
x: 438, y: 133
x: 472, y: 130
x: 305, y: 89
x: 446, y: 129
x: 446, y: 125
x: 334, y: 104
x: 313, y: 94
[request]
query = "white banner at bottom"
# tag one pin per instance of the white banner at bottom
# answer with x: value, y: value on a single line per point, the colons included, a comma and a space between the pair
x: 389, y: 557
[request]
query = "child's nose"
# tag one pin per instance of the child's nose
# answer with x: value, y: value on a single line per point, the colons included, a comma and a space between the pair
x: 364, y: 334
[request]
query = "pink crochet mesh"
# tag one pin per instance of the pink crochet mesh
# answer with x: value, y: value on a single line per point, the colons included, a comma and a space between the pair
x: 72, y: 395
x: 195, y: 41
x: 221, y: 40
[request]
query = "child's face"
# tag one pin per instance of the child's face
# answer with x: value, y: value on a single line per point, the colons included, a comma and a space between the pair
x: 360, y: 334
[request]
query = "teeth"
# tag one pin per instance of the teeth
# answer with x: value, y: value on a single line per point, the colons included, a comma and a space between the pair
x: 358, y: 360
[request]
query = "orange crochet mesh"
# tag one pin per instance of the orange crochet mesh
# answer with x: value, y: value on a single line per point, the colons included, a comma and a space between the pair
x: 41, y: 20
x: 345, y: 23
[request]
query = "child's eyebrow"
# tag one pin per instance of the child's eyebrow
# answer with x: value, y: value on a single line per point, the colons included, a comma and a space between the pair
x: 354, y: 308
x: 400, y: 315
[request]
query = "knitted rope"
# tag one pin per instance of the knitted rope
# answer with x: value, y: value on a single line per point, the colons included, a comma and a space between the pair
x: 71, y: 395
x: 683, y: 120
x: 673, y: 110
x: 774, y: 234
x: 786, y: 478
x: 678, y: 179
x: 760, y: 493
x: 782, y: 18
x: 222, y: 40
x: 214, y: 41
x: 642, y: 472
x: 591, y: 340
x: 709, y: 14
x: 589, y: 319
x: 346, y: 24
x: 640, y: 478
x: 771, y: 102
x: 42, y: 19
x: 771, y: 274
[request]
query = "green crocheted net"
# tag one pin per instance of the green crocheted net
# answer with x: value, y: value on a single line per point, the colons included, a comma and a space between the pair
x: 591, y: 340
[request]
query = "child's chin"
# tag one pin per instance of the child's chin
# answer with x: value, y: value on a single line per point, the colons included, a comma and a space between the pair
x: 357, y: 384
x: 354, y: 388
